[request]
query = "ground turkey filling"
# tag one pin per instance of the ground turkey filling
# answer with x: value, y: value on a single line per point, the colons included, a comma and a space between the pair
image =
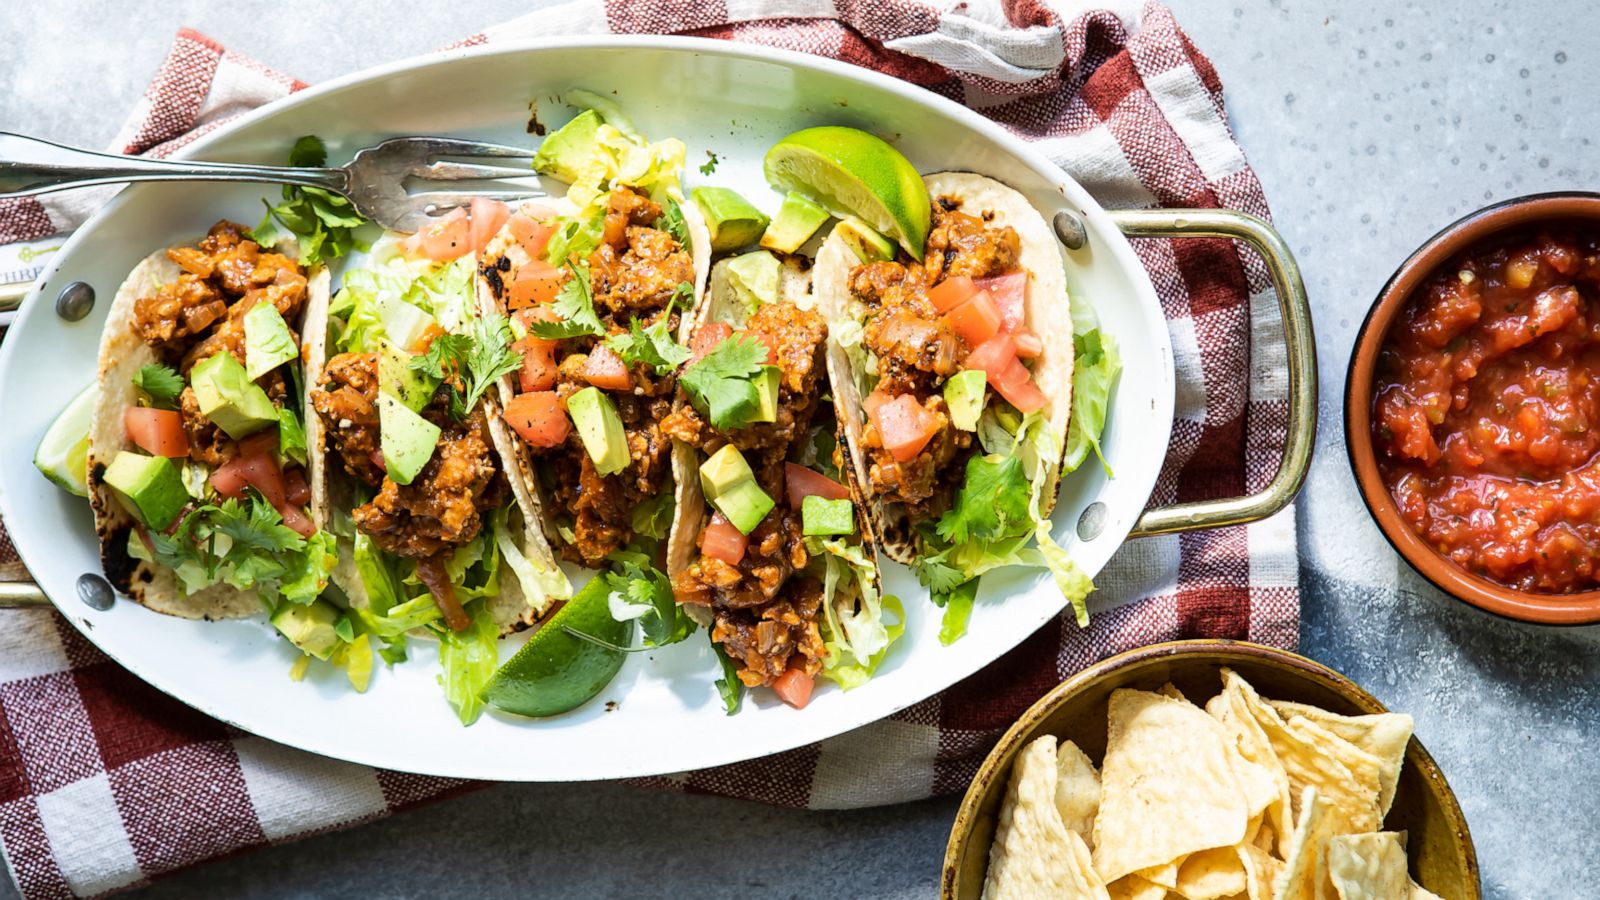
x: 765, y: 620
x: 634, y: 273
x: 442, y: 508
x: 916, y: 351
x: 201, y: 314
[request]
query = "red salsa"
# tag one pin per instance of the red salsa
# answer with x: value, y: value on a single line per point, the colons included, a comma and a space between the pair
x: 1486, y: 421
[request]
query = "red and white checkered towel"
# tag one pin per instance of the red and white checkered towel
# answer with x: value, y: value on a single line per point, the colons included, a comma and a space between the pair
x: 105, y: 783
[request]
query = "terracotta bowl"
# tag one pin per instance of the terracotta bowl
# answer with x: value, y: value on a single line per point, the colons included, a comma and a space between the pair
x: 1440, y: 847
x: 1512, y: 215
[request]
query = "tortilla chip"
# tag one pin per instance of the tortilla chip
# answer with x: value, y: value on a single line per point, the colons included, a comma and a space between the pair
x: 1167, y: 785
x: 1212, y: 874
x: 1232, y: 709
x: 1077, y: 790
x: 1261, y: 871
x: 1034, y: 854
x: 1301, y: 873
x: 1367, y: 866
x: 1163, y: 876
x: 1171, y: 690
x: 1384, y: 735
x: 1133, y: 887
x: 1345, y: 776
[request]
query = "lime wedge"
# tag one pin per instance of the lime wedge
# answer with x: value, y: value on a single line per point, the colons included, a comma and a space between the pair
x: 556, y: 671
x: 63, y: 455
x: 853, y: 173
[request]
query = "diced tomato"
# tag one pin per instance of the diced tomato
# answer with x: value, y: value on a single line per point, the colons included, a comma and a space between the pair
x: 873, y: 401
x: 159, y: 432
x: 538, y: 418
x: 794, y: 688
x: 536, y: 282
x: 721, y: 540
x: 297, y: 491
x: 993, y: 356
x: 1028, y: 344
x: 1008, y: 292
x: 1016, y: 385
x: 260, y: 442
x: 976, y: 320
x: 801, y: 482
x: 378, y: 462
x: 904, y: 426
x: 229, y: 479
x: 708, y: 336
x: 538, y: 364
x: 531, y: 314
x: 485, y: 220
x: 532, y: 234
x: 606, y: 370
x: 443, y: 239
x: 262, y: 473
x: 296, y: 519
x: 952, y: 292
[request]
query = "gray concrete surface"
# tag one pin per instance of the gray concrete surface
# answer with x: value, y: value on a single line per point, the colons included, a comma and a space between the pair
x: 1371, y: 124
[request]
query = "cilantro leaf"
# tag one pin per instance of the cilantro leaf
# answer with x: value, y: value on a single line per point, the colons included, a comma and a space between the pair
x: 258, y: 528
x: 444, y: 357
x: 940, y: 577
x: 729, y: 687
x: 721, y: 386
x: 323, y: 223
x: 642, y: 584
x: 672, y: 222
x: 574, y: 309
x: 710, y: 165
x: 489, y: 356
x: 161, y: 383
x: 653, y: 345
x: 992, y: 502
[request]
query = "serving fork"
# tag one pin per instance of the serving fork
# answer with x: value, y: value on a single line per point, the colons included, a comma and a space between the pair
x: 374, y: 180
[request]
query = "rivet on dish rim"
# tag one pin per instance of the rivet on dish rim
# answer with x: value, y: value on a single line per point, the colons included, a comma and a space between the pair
x: 1070, y: 229
x: 1092, y: 522
x: 75, y: 301
x: 95, y: 591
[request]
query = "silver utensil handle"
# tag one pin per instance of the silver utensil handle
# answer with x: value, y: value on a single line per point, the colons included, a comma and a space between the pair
x: 32, y: 166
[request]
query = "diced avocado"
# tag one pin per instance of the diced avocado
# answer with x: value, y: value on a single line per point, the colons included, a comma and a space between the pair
x: 963, y: 394
x: 868, y: 245
x: 228, y: 397
x: 309, y: 627
x: 396, y: 378
x: 566, y: 152
x: 821, y: 516
x: 407, y: 439
x: 745, y: 505
x: 600, y: 428
x: 754, y: 278
x: 267, y: 341
x: 148, y: 486
x: 766, y: 382
x: 403, y: 323
x: 733, y: 222
x: 731, y: 487
x: 798, y: 219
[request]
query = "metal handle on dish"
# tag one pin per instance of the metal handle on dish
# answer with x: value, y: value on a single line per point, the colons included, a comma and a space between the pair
x: 1301, y: 348
x: 32, y: 166
x: 19, y: 594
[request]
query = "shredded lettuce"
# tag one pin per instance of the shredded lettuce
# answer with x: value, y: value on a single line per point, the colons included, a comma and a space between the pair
x: 443, y: 291
x: 469, y: 659
x: 853, y: 628
x: 1095, y: 368
x: 354, y: 656
x: 541, y: 584
x: 957, y: 611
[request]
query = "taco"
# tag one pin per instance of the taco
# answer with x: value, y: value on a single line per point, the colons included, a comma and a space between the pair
x: 199, y: 474
x: 599, y: 285
x: 953, y: 375
x: 433, y: 538
x: 769, y: 548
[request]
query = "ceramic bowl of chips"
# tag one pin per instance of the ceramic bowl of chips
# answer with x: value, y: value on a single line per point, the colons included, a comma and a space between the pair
x: 1209, y: 770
